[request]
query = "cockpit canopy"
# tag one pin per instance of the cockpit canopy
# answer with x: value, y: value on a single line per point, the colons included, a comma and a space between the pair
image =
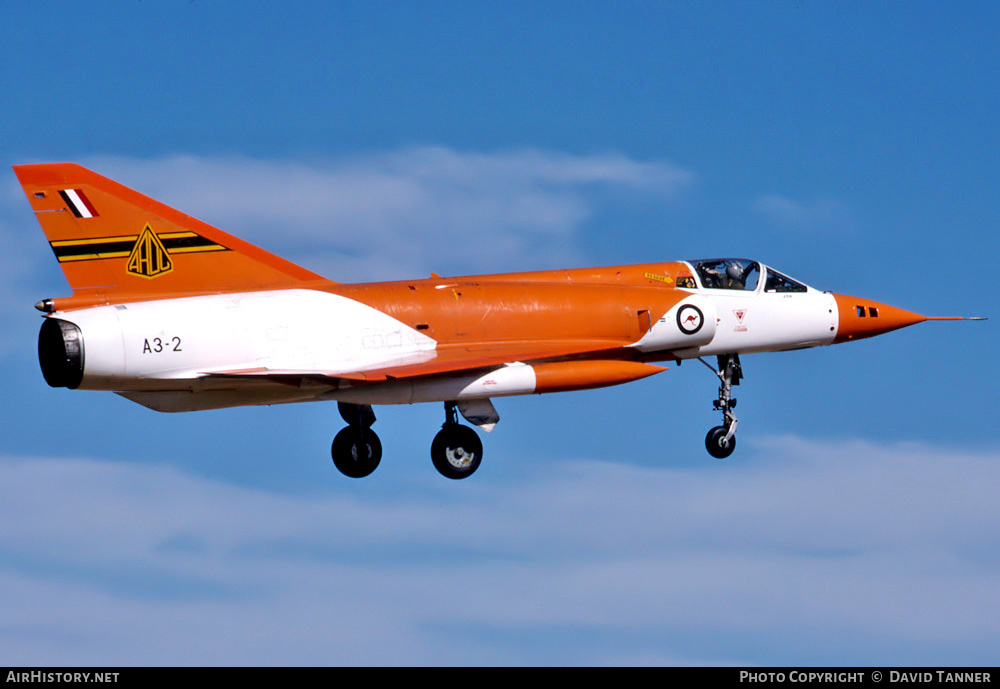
x: 742, y: 274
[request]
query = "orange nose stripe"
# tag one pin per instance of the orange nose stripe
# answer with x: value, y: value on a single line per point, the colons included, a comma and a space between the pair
x: 860, y: 318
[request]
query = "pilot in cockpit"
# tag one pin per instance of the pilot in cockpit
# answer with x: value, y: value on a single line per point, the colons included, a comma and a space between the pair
x: 733, y: 277
x: 736, y: 275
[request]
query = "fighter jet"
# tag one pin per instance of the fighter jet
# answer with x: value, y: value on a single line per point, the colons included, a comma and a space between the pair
x: 176, y: 315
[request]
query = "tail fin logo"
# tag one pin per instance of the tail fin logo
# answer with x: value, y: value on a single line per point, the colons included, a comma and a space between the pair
x: 149, y: 258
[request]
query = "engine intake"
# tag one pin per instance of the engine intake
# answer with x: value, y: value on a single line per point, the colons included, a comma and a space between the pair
x: 60, y: 353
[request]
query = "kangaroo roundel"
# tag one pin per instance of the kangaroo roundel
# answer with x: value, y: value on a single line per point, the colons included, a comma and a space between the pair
x: 690, y: 319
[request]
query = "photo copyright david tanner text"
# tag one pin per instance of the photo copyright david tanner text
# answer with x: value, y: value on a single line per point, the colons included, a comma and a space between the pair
x: 957, y: 676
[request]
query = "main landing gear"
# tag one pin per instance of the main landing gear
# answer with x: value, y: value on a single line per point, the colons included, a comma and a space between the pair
x: 721, y: 440
x: 356, y: 450
x: 456, y: 451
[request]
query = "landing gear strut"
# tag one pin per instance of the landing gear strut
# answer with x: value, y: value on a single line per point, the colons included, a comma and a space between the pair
x: 356, y: 450
x: 457, y: 449
x: 721, y: 440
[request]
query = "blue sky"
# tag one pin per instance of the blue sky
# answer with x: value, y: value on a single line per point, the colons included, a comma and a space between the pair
x: 851, y: 145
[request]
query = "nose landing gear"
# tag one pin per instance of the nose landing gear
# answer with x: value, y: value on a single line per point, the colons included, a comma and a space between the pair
x: 721, y: 440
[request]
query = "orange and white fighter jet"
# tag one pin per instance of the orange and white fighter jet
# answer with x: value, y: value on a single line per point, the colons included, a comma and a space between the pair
x: 177, y: 315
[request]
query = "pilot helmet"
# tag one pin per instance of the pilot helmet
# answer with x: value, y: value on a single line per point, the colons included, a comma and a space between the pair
x: 734, y: 271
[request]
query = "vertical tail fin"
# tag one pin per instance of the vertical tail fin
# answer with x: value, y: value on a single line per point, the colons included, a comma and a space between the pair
x: 115, y: 244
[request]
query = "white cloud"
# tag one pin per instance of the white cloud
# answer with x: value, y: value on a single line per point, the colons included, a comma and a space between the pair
x: 791, y: 214
x: 872, y: 549
x: 402, y: 213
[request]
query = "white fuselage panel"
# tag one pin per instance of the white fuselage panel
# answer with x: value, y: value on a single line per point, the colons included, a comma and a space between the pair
x: 181, y: 339
x: 771, y: 321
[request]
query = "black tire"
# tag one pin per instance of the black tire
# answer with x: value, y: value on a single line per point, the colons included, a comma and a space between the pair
x: 456, y: 451
x: 356, y: 451
x: 715, y: 443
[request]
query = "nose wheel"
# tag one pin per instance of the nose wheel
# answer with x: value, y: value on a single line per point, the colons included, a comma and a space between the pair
x: 457, y: 450
x: 721, y: 440
x: 719, y: 443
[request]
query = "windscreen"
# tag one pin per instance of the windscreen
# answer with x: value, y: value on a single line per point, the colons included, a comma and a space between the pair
x: 776, y: 282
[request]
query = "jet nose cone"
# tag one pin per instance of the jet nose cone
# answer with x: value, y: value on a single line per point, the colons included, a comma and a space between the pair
x: 860, y: 318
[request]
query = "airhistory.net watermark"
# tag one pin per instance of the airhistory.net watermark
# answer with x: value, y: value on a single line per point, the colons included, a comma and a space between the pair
x: 61, y: 677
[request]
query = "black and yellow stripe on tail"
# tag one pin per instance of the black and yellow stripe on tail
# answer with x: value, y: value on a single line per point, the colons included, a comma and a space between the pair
x: 121, y: 247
